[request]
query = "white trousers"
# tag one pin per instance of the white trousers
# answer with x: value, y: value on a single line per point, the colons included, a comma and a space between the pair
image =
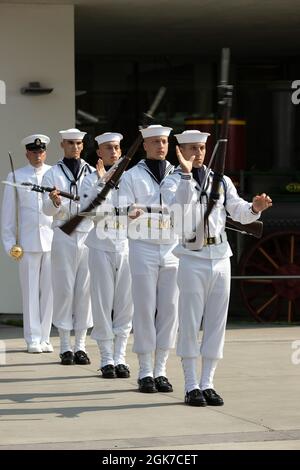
x: 36, y: 287
x: 70, y: 281
x: 111, y: 297
x: 155, y: 296
x: 204, y: 286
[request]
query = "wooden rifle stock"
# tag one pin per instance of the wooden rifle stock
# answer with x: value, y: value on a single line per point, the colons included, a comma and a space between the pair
x: 254, y: 228
x: 72, y: 224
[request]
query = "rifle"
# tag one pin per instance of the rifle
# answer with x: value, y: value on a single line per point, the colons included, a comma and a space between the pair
x: 254, y: 228
x: 41, y: 189
x: 218, y: 156
x: 224, y: 108
x: 225, y: 101
x: 113, y: 180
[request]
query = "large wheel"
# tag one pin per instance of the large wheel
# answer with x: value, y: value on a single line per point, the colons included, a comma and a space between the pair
x: 277, y: 254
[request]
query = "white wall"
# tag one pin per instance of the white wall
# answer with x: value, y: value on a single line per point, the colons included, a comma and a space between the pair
x: 36, y: 44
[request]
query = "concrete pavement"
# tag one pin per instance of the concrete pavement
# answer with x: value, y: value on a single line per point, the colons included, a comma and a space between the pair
x: 44, y: 405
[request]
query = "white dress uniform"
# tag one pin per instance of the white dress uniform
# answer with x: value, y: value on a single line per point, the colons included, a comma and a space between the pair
x: 153, y: 266
x: 204, y: 274
x: 111, y: 297
x: 70, y: 273
x: 35, y: 237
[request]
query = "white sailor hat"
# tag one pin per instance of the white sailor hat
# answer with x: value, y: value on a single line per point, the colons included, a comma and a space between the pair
x: 192, y: 136
x: 108, y: 137
x: 72, y: 134
x: 36, y: 142
x: 155, y: 130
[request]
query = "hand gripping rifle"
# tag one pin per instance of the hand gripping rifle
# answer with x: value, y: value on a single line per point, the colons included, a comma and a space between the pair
x: 41, y: 189
x: 112, y: 182
x: 224, y: 108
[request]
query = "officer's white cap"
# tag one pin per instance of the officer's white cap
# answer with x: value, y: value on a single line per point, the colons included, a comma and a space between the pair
x: 192, y: 136
x: 155, y: 130
x: 36, y: 141
x: 72, y: 134
x: 108, y: 137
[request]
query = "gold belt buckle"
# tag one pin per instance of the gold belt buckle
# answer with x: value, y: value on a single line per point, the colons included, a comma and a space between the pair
x: 119, y: 225
x: 210, y: 240
x: 163, y: 224
x: 115, y: 225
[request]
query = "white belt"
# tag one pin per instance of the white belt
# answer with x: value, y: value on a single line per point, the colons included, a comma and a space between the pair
x: 215, y: 240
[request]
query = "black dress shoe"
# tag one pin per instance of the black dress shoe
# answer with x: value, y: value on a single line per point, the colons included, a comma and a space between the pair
x: 81, y: 357
x: 67, y: 358
x: 147, y: 385
x: 212, y: 398
x: 122, y: 371
x: 195, y: 398
x: 162, y: 384
x: 108, y: 372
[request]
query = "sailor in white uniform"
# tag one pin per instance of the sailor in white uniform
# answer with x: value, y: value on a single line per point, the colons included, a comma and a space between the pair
x: 204, y: 266
x: 153, y: 266
x: 111, y: 297
x: 24, y: 220
x: 70, y: 273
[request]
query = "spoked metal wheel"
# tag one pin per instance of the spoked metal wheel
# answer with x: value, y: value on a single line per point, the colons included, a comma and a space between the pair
x: 277, y: 254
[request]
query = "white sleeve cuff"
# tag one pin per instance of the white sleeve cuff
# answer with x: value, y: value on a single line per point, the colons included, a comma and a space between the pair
x: 252, y: 211
x: 186, y: 176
